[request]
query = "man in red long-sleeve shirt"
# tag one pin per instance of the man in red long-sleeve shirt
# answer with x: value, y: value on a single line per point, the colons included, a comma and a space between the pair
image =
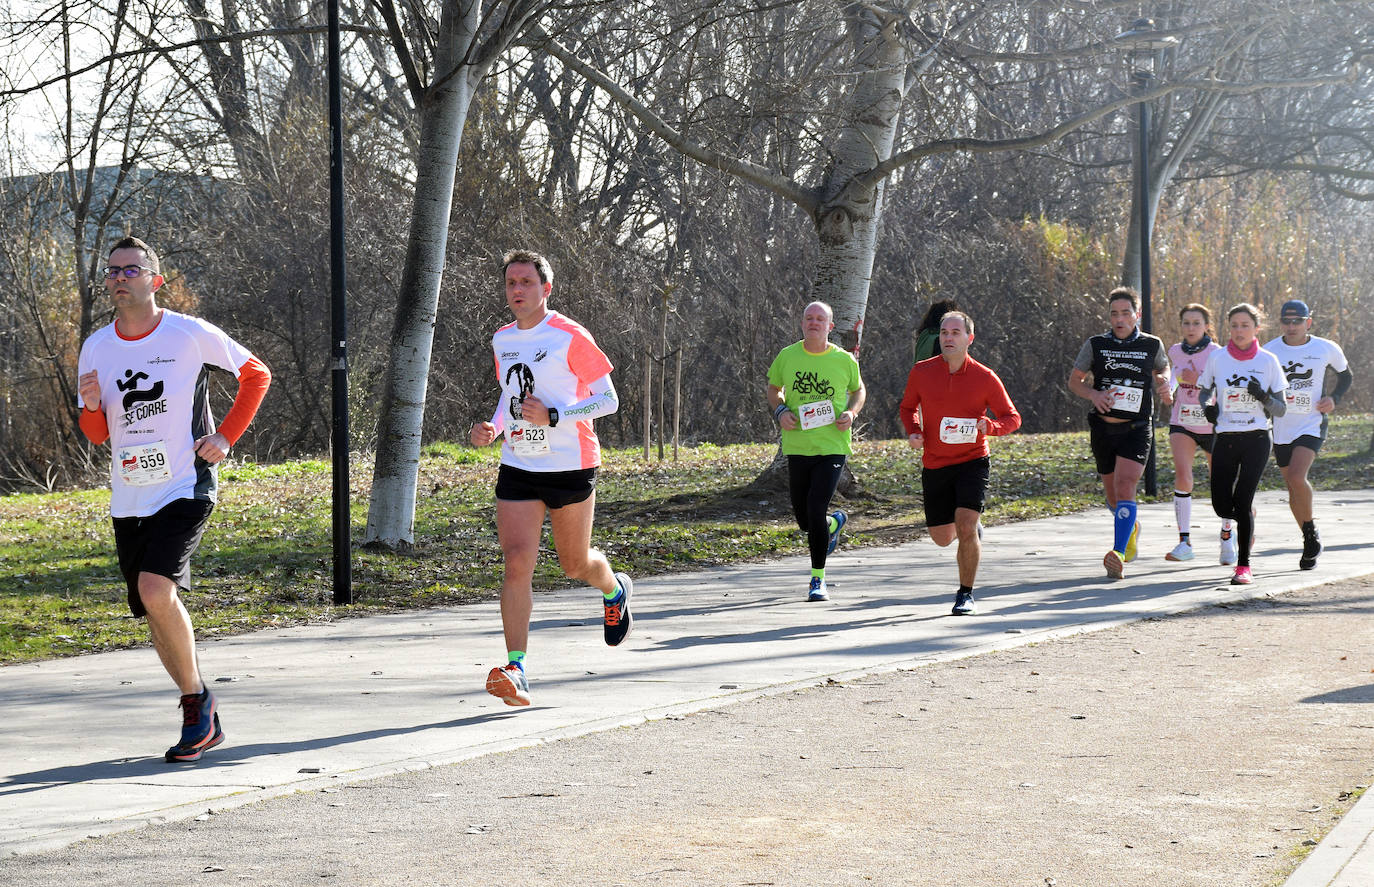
x: 945, y: 412
x: 144, y: 387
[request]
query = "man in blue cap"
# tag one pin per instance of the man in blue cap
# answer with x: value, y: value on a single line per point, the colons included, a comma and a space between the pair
x: 1299, y: 432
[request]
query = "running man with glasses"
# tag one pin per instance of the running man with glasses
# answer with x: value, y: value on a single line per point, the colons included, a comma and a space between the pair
x: 1299, y: 432
x: 143, y: 383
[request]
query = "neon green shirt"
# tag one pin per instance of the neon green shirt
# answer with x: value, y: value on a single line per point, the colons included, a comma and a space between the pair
x: 816, y: 388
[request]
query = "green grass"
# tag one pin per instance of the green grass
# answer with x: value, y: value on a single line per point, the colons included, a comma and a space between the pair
x: 266, y: 559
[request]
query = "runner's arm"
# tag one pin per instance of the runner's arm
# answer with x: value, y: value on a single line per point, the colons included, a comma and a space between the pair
x: 777, y: 405
x: 911, y: 402
x: 94, y: 425
x: 845, y: 420
x: 254, y: 380
x: 1344, y: 379
x: 1005, y: 419
x: 602, y: 402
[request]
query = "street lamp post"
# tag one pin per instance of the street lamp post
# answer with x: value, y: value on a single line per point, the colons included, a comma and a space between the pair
x: 1145, y: 45
x: 342, y: 524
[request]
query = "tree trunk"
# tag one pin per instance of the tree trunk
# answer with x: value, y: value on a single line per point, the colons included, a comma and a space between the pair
x: 849, y: 212
x: 391, y: 509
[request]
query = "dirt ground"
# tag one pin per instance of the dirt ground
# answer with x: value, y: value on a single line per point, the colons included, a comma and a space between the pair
x: 1199, y: 749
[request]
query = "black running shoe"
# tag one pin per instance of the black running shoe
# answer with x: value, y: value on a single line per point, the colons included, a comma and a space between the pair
x: 617, y: 617
x: 964, y: 604
x: 1311, y: 547
x: 200, y: 730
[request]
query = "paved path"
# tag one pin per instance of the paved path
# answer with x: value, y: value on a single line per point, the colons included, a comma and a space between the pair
x: 361, y: 698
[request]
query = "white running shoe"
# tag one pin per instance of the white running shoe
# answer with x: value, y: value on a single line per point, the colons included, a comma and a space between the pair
x: 1182, y: 552
x: 1228, y: 548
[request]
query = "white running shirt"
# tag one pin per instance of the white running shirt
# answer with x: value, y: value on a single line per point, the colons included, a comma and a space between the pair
x: 155, y: 393
x: 1229, y: 376
x: 1305, y: 366
x: 556, y: 361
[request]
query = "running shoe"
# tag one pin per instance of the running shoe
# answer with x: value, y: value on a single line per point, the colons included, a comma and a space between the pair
x: 1242, y: 576
x: 509, y: 684
x: 817, y: 591
x: 1115, y: 564
x: 1182, y: 552
x: 617, y: 619
x: 964, y: 604
x: 840, y: 520
x: 1228, y: 548
x: 1311, y: 547
x: 200, y: 730
x: 1132, y: 544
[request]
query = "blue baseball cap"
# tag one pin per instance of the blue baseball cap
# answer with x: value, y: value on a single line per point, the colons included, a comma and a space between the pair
x: 1295, y: 308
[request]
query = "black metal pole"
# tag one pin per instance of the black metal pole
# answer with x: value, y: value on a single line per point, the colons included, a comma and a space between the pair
x: 343, y: 574
x: 1146, y: 317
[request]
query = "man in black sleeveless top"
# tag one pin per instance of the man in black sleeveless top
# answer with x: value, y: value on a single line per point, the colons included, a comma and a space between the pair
x: 1120, y: 372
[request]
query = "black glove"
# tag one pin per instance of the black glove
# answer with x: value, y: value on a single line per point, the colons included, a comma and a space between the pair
x: 1212, y: 412
x: 1258, y: 393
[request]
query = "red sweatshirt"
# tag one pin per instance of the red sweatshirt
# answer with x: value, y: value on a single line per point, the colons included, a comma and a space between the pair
x: 967, y: 394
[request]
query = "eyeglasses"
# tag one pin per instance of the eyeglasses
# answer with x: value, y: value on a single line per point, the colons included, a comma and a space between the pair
x: 1291, y: 321
x: 128, y: 272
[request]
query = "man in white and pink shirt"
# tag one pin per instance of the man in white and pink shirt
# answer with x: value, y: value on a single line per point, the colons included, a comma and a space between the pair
x: 554, y: 382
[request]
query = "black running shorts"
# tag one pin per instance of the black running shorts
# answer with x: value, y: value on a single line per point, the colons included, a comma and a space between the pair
x: 1283, y: 453
x: 955, y: 486
x: 1128, y: 440
x: 161, y: 544
x: 554, y: 488
x: 1204, y: 441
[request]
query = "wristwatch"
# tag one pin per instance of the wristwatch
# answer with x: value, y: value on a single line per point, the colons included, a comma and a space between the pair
x: 553, y: 417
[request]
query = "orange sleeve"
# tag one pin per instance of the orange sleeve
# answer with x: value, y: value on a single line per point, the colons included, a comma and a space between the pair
x: 94, y: 425
x: 911, y: 400
x: 254, y: 377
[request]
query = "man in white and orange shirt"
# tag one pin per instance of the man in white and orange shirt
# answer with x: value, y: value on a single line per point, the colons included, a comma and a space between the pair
x: 143, y: 382
x: 945, y: 412
x: 554, y: 382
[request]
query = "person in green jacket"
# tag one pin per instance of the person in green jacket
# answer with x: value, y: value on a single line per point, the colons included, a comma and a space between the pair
x: 928, y: 334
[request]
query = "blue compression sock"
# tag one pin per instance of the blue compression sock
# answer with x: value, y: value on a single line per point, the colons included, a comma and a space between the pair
x: 1125, y: 522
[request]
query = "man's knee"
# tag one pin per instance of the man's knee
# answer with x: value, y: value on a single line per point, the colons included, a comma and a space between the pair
x: 158, y: 594
x: 577, y: 564
x: 943, y: 534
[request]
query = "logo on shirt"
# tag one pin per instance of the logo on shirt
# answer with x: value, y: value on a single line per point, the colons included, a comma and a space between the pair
x: 163, y: 360
x: 809, y: 384
x: 1238, y: 380
x: 540, y: 355
x: 140, y: 403
x: 1291, y: 371
x: 524, y: 377
x: 509, y: 355
x: 1111, y: 363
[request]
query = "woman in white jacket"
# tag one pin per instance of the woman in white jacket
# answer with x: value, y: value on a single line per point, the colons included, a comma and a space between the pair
x: 1242, y: 386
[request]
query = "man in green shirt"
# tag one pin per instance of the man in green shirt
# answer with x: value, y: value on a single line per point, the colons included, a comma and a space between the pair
x: 815, y: 392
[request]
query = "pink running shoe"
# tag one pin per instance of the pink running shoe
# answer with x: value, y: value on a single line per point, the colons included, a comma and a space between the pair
x: 1242, y: 576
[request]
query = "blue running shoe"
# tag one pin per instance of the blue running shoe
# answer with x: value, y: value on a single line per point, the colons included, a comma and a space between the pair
x: 840, y: 520
x: 200, y: 730
x: 817, y: 591
x: 616, y: 619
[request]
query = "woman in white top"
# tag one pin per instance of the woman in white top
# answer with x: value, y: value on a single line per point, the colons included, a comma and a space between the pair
x: 1189, y: 430
x: 1242, y: 387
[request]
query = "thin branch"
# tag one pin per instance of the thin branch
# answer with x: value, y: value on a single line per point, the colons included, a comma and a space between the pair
x: 744, y: 169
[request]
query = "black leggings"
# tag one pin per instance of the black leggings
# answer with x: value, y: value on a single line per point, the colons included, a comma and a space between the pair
x: 812, y: 480
x: 1238, y: 460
